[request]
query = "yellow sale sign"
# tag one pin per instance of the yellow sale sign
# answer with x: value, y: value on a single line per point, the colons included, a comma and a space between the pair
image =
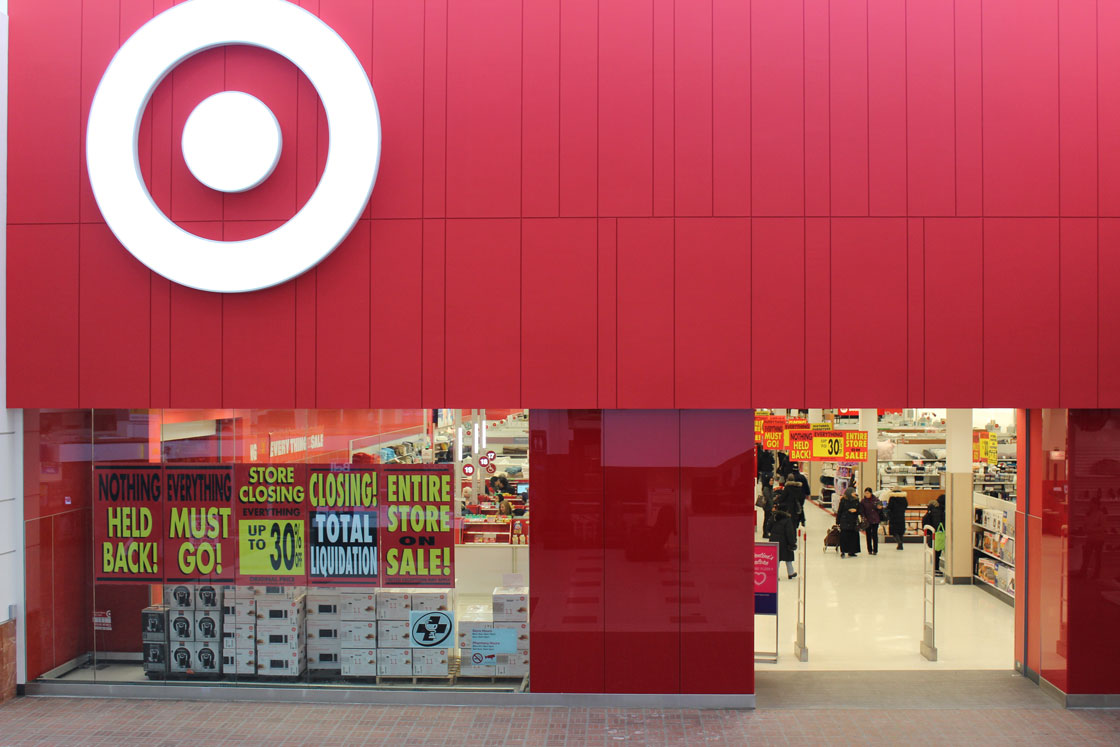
x: 828, y: 446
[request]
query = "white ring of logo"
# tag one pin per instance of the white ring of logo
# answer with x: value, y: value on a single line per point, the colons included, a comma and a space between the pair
x: 329, y: 214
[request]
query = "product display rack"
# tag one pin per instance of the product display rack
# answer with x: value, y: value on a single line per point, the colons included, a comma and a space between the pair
x: 993, y: 546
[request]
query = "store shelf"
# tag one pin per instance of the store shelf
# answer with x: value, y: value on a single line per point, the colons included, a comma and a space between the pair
x: 1006, y: 595
x: 994, y: 557
x: 1000, y: 534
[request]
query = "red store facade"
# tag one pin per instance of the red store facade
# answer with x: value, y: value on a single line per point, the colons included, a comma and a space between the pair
x: 639, y: 219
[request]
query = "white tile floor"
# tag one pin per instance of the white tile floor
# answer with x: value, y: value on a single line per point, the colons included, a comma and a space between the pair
x: 865, y: 613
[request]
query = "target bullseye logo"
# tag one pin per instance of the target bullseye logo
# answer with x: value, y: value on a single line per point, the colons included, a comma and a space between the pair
x: 232, y: 142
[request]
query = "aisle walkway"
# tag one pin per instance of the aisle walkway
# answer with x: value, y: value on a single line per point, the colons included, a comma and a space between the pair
x: 865, y: 613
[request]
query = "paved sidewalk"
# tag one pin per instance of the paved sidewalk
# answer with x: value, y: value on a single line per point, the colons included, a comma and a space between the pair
x: 71, y: 721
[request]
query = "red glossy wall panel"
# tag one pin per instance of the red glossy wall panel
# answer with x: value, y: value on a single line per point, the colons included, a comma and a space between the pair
x: 868, y: 368
x: 930, y: 90
x: 641, y: 540
x: 1021, y: 311
x: 1108, y: 311
x: 953, y: 360
x: 600, y: 109
x: 777, y: 108
x: 479, y: 251
x: 848, y: 108
x: 1078, y: 294
x: 713, y: 326
x: 778, y: 304
x: 716, y: 482
x: 559, y: 266
x: 645, y: 305
x: 1020, y: 115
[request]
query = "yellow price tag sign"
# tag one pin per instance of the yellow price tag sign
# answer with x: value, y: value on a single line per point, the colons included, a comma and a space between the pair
x: 272, y: 547
x: 828, y: 447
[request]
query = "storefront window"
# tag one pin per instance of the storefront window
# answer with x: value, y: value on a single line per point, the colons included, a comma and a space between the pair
x: 367, y: 548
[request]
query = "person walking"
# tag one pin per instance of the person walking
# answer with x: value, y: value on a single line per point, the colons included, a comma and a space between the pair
x: 896, y: 514
x: 793, y: 498
x: 869, y: 509
x: 847, y: 517
x: 766, y: 503
x: 934, y: 517
x: 785, y: 535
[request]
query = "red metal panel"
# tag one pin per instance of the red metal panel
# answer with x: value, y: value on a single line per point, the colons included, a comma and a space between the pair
x: 777, y: 109
x: 196, y: 339
x: 693, y: 101
x: 540, y: 112
x: 916, y: 312
x: 159, y: 374
x: 1077, y: 58
x: 1108, y: 108
x: 608, y: 313
x: 72, y: 593
x: 869, y: 369
x: 258, y: 72
x: 435, y: 108
x: 848, y: 106
x: 433, y: 324
x: 818, y: 177
x: 954, y: 332
x: 1078, y: 313
x: 579, y: 108
x: 713, y: 323
x: 258, y: 338
x: 567, y: 589
x: 484, y: 108
x: 396, y: 257
x: 625, y: 107
x: 307, y: 298
x: 818, y: 295
x: 641, y: 533
x: 44, y: 113
x: 39, y: 610
x: 1034, y: 590
x: 664, y: 130
x: 398, y: 81
x: 477, y: 249
x: 645, y: 313
x: 731, y: 107
x: 192, y: 81
x: 1020, y: 43
x: 43, y: 347
x: 559, y: 350
x: 1108, y: 345
x: 342, y: 336
x: 969, y: 108
x: 778, y: 306
x: 1021, y: 312
x: 101, y: 23
x: 354, y: 23
x: 886, y: 106
x: 717, y: 534
x: 930, y: 127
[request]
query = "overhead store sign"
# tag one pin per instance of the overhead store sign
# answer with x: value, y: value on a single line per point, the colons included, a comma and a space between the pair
x: 232, y: 142
x: 274, y: 524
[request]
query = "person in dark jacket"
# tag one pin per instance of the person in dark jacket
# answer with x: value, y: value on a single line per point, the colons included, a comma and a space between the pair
x: 783, y: 463
x: 765, y: 463
x: 896, y: 513
x: 786, y: 536
x: 847, y: 517
x: 767, y: 499
x: 869, y: 510
x: 934, y: 517
x: 793, y: 500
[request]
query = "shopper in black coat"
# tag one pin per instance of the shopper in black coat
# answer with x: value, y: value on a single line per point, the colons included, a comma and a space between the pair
x: 765, y: 463
x: 934, y: 517
x: 896, y: 510
x: 793, y: 499
x: 785, y: 535
x: 847, y: 517
x: 767, y: 499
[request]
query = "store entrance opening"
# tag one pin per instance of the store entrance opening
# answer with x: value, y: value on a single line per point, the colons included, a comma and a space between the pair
x: 864, y: 595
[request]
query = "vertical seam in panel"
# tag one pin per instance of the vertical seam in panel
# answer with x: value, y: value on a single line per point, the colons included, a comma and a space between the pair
x: 867, y: 98
x: 520, y: 228
x: 675, y: 382
x: 617, y: 341
x: 423, y: 155
x: 983, y: 223
x: 925, y: 316
x: 712, y: 102
x: 804, y: 218
x: 1058, y: 107
x: 1097, y: 320
x: 956, y: 147
x: 559, y: 117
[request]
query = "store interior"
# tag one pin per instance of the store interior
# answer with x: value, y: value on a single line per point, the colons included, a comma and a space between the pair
x: 868, y: 611
x: 220, y: 630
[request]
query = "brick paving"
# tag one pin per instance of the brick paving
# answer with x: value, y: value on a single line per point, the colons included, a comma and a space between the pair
x: 73, y: 721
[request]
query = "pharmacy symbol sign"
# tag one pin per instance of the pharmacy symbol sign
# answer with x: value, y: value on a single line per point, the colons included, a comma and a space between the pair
x: 431, y: 629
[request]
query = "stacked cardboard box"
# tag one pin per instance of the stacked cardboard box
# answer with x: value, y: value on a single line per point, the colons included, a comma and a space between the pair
x: 509, y: 609
x: 357, y: 630
x: 194, y: 629
x: 281, y: 634
x: 324, y: 641
x: 374, y: 636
